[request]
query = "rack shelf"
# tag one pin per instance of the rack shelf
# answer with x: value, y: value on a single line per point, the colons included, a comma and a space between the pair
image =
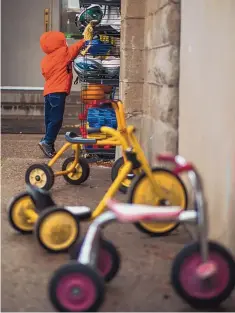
x: 114, y: 3
x: 101, y: 81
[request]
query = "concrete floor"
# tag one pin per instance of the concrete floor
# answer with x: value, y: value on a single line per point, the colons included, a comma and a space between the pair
x: 143, y: 281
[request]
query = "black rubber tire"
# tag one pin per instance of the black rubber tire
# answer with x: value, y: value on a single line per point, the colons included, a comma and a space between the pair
x: 85, y: 171
x: 45, y: 213
x: 110, y: 248
x: 114, y: 173
x: 198, y: 303
x: 70, y: 268
x: 10, y: 212
x: 47, y: 170
x: 132, y: 189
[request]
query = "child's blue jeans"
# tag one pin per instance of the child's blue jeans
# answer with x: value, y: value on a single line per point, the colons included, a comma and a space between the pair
x: 54, y: 113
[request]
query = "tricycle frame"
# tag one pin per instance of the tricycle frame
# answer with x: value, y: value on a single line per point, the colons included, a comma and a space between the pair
x: 136, y: 162
x: 77, y: 148
x: 89, y: 252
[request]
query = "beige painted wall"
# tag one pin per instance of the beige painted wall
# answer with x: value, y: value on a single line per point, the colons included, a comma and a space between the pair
x: 207, y: 105
x: 22, y: 26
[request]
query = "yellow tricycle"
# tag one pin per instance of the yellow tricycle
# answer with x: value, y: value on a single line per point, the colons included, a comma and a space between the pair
x: 57, y: 228
x: 75, y: 169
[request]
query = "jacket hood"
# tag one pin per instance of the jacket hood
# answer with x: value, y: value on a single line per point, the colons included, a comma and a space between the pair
x: 51, y: 41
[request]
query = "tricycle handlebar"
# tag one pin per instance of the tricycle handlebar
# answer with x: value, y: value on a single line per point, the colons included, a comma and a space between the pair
x: 181, y: 164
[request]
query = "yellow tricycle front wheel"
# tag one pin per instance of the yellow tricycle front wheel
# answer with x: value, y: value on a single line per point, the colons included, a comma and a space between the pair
x: 116, y: 169
x: 17, y: 210
x: 141, y: 192
x: 57, y: 229
x: 40, y: 175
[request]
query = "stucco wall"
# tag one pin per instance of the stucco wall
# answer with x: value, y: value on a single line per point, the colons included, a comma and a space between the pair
x: 207, y: 105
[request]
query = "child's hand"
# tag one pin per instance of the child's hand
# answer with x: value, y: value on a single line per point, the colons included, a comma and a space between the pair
x: 88, y: 35
x: 88, y: 32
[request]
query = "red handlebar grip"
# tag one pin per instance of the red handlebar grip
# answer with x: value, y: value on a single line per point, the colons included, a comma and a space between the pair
x: 166, y: 158
x: 185, y: 168
x: 172, y: 159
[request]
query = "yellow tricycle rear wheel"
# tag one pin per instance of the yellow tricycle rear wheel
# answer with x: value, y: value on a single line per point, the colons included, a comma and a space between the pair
x: 79, y: 174
x: 57, y: 230
x: 141, y: 192
x: 17, y: 213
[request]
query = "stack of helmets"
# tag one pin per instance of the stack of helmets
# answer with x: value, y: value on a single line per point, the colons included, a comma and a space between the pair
x: 98, y: 47
x: 88, y: 67
x: 92, y: 13
x: 111, y: 67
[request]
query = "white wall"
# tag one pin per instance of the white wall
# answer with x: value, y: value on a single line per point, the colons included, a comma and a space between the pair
x: 207, y: 105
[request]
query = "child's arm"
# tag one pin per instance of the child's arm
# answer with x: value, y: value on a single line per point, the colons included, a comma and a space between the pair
x: 75, y: 49
x: 88, y: 35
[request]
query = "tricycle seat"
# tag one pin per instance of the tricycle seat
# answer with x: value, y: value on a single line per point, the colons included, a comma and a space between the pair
x: 41, y: 198
x: 74, y: 138
x: 138, y: 212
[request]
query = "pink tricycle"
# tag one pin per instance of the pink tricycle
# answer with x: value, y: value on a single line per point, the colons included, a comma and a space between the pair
x: 202, y: 274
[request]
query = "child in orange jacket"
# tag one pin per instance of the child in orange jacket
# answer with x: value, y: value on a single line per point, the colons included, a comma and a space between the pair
x: 56, y: 68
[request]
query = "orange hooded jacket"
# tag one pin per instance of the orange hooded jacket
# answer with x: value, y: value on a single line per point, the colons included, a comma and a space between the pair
x: 56, y: 66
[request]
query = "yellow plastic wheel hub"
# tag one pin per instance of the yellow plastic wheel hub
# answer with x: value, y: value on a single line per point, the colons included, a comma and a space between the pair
x: 144, y: 194
x: 58, y: 230
x: 18, y: 213
x: 38, y: 178
x: 76, y: 173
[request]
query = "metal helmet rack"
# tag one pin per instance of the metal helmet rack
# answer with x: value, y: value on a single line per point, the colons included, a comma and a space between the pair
x: 98, y: 71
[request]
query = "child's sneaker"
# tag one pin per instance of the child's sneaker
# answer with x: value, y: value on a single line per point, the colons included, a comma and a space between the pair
x: 47, y: 149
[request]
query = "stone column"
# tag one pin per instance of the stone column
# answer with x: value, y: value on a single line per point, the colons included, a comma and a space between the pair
x: 161, y: 77
x: 149, y: 78
x: 132, y: 59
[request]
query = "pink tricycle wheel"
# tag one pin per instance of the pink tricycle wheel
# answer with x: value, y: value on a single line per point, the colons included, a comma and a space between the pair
x: 209, y: 290
x: 108, y: 259
x: 105, y: 262
x: 198, y: 288
x: 76, y: 288
x: 76, y: 292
